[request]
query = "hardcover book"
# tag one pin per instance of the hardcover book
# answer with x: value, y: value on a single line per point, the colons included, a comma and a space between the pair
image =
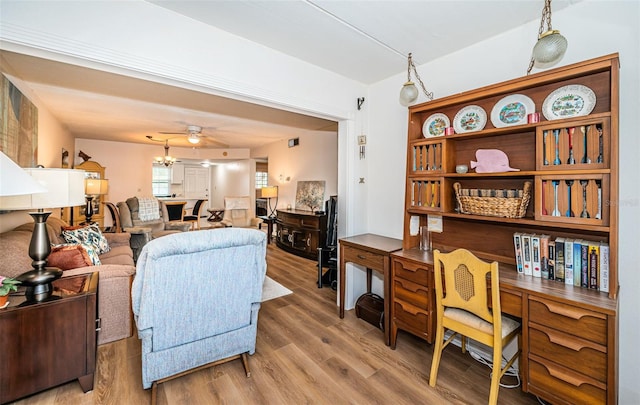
x: 594, y: 263
x: 517, y: 246
x: 604, y: 267
x: 544, y: 256
x: 559, y: 273
x: 535, y: 256
x: 568, y: 261
x: 526, y: 255
x: 577, y: 261
x: 584, y: 262
x: 552, y: 259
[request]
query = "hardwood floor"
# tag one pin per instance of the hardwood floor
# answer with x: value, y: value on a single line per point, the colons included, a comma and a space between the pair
x: 305, y: 354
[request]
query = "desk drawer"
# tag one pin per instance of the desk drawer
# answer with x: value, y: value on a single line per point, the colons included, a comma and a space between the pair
x: 412, y: 293
x: 510, y: 301
x: 373, y: 261
x: 581, y: 355
x: 413, y: 319
x: 568, y: 318
x: 567, y: 385
x: 418, y: 273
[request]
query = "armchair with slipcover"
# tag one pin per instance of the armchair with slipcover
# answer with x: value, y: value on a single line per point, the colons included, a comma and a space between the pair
x: 196, y: 297
x: 240, y: 213
x: 131, y: 217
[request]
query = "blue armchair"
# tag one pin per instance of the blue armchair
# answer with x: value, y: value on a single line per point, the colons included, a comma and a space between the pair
x: 196, y: 297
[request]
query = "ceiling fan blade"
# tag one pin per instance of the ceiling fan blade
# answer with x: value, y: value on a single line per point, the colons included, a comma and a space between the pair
x: 172, y: 133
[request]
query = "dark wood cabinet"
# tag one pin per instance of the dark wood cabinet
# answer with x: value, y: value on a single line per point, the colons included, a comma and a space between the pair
x: 49, y: 343
x: 301, y: 232
x: 569, y: 340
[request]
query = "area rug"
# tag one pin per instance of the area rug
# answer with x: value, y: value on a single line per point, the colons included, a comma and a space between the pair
x: 272, y: 289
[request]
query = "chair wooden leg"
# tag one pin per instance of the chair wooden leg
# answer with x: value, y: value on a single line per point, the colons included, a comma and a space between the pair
x: 154, y: 393
x: 245, y: 363
x: 496, y: 375
x: 437, y: 353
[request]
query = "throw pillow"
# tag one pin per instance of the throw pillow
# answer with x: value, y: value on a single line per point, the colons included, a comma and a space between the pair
x: 88, y: 235
x: 70, y: 256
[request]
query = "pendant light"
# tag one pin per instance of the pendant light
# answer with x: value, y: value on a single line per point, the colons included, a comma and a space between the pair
x: 166, y: 160
x: 551, y: 46
x: 409, y: 91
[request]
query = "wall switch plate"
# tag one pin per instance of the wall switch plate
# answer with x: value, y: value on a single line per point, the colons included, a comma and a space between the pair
x: 362, y: 140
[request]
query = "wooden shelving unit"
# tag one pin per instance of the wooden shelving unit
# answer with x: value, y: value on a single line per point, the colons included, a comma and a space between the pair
x: 585, y: 188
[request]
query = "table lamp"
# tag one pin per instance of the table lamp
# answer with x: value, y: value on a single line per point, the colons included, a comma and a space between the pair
x: 269, y: 193
x: 22, y: 189
x: 93, y: 187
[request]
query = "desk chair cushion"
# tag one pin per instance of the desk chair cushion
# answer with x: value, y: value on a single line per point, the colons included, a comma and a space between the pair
x: 472, y: 321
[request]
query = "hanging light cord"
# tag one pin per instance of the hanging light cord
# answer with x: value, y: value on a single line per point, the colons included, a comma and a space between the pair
x: 546, y: 14
x: 410, y: 66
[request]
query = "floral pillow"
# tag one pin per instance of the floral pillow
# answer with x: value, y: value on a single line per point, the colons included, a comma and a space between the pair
x: 61, y: 256
x: 88, y: 235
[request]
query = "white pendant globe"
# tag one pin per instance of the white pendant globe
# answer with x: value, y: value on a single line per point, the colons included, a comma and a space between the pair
x: 408, y: 93
x: 549, y: 49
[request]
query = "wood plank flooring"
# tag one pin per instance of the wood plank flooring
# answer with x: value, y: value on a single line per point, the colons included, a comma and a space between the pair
x: 305, y: 354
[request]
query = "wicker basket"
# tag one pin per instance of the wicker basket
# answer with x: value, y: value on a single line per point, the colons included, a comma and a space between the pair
x: 494, y: 203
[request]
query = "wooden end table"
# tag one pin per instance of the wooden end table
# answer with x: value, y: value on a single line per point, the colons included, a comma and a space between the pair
x: 373, y: 252
x: 269, y: 221
x: 49, y: 343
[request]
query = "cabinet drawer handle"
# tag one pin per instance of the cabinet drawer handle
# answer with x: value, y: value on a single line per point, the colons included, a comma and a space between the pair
x: 361, y: 257
x: 569, y: 312
x: 571, y: 378
x: 98, y: 325
x: 558, y: 339
x: 410, y: 309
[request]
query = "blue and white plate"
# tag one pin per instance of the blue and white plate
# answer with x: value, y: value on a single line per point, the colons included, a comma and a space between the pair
x: 512, y: 110
x: 569, y: 101
x: 435, y: 125
x: 469, y: 119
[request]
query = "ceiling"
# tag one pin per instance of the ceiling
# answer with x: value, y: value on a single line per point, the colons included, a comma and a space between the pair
x: 336, y: 35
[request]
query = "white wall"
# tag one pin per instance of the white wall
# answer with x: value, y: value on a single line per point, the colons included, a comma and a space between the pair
x: 593, y: 28
x: 315, y: 158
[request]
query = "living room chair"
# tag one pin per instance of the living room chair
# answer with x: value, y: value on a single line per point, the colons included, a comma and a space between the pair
x: 195, y: 300
x: 115, y: 218
x: 463, y: 308
x: 194, y: 217
x: 239, y: 213
x: 131, y: 217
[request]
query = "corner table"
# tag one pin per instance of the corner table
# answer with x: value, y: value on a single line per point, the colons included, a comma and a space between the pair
x: 269, y: 221
x: 215, y: 214
x: 49, y: 343
x: 373, y: 252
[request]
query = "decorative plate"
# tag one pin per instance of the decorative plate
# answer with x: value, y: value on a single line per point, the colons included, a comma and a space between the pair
x: 469, y: 119
x: 435, y: 125
x: 6, y: 304
x: 569, y: 101
x: 512, y: 110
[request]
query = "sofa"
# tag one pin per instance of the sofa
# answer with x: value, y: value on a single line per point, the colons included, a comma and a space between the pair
x: 115, y: 273
x: 129, y: 212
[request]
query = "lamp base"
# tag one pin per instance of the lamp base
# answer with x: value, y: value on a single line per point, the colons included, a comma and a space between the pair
x: 38, y: 282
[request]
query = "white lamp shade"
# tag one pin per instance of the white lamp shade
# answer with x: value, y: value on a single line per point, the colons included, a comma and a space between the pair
x: 269, y: 192
x: 95, y: 186
x: 64, y: 188
x: 14, y: 180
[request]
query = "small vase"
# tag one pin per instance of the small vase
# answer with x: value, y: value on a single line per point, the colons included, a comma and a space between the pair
x: 3, y: 300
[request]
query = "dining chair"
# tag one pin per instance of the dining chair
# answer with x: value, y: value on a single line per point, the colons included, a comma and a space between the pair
x: 462, y: 283
x: 194, y: 217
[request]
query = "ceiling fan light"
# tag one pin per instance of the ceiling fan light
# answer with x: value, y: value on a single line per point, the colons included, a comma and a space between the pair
x: 408, y: 93
x: 194, y: 139
x: 550, y: 48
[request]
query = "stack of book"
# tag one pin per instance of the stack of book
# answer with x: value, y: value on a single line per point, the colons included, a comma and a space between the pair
x: 579, y: 262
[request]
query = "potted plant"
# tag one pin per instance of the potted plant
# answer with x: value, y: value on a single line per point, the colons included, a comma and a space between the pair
x: 7, y: 284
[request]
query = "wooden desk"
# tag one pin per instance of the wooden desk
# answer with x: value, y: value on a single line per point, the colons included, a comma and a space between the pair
x: 569, y: 349
x: 371, y: 251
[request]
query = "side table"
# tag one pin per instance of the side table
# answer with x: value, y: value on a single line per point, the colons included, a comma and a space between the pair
x: 269, y: 221
x: 49, y: 343
x: 140, y: 236
x: 215, y: 214
x: 373, y: 252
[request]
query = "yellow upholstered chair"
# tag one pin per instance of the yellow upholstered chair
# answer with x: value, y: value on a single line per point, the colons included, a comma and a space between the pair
x: 462, y: 307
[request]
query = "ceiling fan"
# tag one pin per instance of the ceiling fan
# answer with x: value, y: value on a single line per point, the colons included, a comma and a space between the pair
x: 195, y: 136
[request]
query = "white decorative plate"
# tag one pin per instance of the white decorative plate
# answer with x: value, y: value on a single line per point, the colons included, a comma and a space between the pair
x: 569, y: 101
x: 512, y: 110
x: 6, y: 304
x: 435, y: 125
x: 469, y: 119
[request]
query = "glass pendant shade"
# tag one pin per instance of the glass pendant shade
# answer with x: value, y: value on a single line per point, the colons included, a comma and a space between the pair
x: 193, y: 139
x: 408, y: 93
x: 549, y: 49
